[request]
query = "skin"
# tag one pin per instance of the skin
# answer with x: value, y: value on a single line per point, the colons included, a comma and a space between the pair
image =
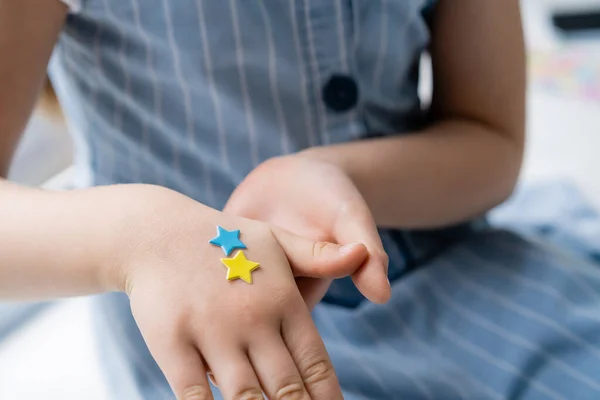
x: 462, y: 165
x: 143, y: 240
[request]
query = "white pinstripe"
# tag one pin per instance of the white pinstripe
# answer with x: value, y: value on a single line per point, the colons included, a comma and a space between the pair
x: 108, y: 165
x: 312, y: 137
x: 332, y: 328
x: 239, y: 51
x: 155, y: 91
x: 490, y: 358
x: 585, y: 286
x: 401, y: 78
x: 383, y: 45
x: 181, y: 83
x: 352, y: 116
x: 75, y: 69
x: 322, y: 113
x: 285, y: 134
x: 118, y: 112
x: 361, y: 124
x: 491, y: 326
x: 525, y: 312
x: 341, y: 37
x: 508, y: 273
x: 357, y: 28
x: 210, y: 81
x: 187, y: 102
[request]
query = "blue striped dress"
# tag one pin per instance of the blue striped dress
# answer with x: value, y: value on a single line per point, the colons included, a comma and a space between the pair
x: 193, y: 94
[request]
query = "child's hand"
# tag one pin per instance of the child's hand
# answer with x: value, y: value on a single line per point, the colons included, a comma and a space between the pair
x: 252, y: 337
x: 315, y: 199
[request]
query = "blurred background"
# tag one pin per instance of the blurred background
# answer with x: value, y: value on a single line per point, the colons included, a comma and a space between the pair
x: 52, y: 355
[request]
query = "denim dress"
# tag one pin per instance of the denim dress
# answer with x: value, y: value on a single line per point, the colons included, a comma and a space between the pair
x: 194, y: 94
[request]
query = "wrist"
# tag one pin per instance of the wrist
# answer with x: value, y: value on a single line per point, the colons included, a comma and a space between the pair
x: 114, y: 216
x: 341, y: 157
x: 120, y: 216
x: 154, y: 219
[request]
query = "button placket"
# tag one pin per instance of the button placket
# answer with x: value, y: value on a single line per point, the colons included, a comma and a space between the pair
x: 335, y: 88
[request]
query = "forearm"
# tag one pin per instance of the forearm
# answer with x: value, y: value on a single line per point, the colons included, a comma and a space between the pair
x: 452, y: 171
x: 56, y: 244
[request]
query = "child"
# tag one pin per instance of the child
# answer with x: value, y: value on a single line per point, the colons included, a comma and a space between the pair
x: 301, y: 119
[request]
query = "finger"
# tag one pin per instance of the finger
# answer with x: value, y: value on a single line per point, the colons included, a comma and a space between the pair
x: 234, y: 373
x: 276, y: 369
x: 312, y: 290
x: 317, y: 259
x: 355, y: 223
x: 309, y: 354
x: 185, y: 372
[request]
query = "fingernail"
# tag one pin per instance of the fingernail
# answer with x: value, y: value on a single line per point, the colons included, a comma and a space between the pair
x: 347, y: 248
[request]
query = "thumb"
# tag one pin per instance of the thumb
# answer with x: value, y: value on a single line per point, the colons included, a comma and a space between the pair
x: 318, y: 259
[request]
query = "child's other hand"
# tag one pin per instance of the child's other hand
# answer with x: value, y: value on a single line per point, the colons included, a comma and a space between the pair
x: 252, y: 337
x: 315, y: 199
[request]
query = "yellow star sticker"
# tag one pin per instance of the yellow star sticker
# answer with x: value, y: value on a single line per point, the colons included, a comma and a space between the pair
x: 239, y: 267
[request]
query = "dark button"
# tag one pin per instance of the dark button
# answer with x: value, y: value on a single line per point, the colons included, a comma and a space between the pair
x: 340, y: 93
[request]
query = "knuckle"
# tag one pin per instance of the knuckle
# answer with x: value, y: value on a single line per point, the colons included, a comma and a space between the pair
x: 197, y: 392
x: 291, y: 391
x: 265, y: 232
x: 318, y: 370
x: 249, y: 394
x: 351, y: 207
x: 285, y: 294
x: 251, y: 318
x: 180, y: 321
x: 250, y: 312
x: 237, y: 206
x: 385, y: 259
x: 255, y: 311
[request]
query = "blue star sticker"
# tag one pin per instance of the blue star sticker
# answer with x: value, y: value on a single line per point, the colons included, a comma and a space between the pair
x: 227, y: 240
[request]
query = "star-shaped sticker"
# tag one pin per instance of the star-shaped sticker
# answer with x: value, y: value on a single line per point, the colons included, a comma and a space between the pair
x: 239, y: 267
x: 227, y: 240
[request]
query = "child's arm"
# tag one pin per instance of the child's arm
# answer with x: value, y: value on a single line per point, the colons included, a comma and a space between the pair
x: 469, y: 160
